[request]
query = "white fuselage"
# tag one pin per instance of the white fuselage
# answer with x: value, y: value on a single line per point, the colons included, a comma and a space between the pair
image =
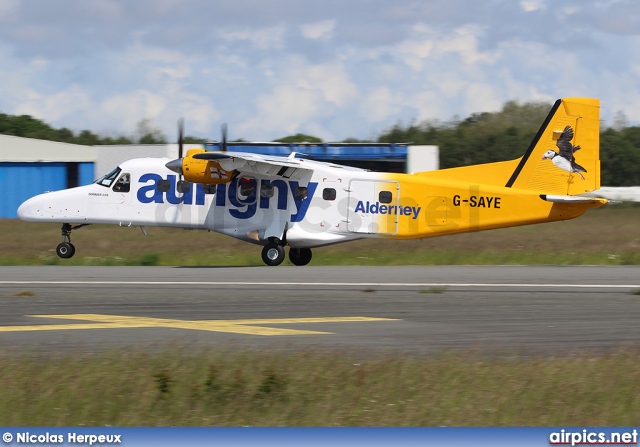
x: 309, y: 212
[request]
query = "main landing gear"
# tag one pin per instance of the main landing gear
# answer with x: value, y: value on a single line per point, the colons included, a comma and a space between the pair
x: 273, y: 254
x: 300, y: 256
x: 66, y: 249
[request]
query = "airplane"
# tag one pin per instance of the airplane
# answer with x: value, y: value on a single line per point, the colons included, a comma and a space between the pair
x: 276, y: 201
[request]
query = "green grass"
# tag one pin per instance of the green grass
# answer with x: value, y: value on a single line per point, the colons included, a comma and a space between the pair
x: 226, y: 387
x: 606, y: 236
x: 434, y: 290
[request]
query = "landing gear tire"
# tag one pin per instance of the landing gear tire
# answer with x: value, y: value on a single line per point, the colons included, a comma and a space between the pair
x: 300, y: 256
x: 273, y: 254
x: 65, y: 250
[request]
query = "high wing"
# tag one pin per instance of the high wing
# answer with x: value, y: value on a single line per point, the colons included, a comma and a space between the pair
x: 201, y: 166
x: 287, y: 167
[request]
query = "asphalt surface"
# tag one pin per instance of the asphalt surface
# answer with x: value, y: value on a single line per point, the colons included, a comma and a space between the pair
x: 417, y: 310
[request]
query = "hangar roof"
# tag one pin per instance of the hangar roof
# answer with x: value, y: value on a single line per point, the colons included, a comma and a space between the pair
x: 18, y: 149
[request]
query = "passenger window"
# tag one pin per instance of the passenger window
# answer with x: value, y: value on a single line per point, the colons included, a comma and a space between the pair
x: 385, y: 197
x: 123, y: 184
x: 163, y: 185
x: 247, y: 187
x: 301, y: 192
x: 266, y: 190
x: 329, y: 194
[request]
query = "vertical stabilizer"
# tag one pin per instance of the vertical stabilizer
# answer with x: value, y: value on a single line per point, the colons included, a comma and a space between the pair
x: 564, y: 156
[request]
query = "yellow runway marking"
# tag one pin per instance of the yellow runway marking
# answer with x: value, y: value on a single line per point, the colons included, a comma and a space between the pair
x: 251, y: 327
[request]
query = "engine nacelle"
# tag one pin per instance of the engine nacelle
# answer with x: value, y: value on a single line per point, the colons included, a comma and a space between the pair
x: 207, y: 172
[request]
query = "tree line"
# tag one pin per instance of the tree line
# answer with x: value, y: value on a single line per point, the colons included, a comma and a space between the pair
x: 29, y: 127
x: 481, y: 138
x: 505, y: 135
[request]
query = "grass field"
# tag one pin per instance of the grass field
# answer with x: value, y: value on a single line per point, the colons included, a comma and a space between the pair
x: 221, y: 386
x: 606, y: 236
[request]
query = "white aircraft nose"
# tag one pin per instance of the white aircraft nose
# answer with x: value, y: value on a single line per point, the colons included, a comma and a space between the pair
x: 30, y: 209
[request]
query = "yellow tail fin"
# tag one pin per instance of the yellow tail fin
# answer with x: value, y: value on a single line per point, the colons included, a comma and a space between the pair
x: 572, y: 129
x: 573, y: 124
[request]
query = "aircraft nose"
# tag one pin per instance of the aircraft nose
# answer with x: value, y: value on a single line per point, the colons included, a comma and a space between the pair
x: 30, y: 209
x: 175, y: 166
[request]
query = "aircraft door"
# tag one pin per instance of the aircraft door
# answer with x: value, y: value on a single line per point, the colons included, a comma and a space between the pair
x: 373, y: 206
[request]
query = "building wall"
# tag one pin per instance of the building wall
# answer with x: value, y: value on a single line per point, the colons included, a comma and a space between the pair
x: 108, y: 157
x: 21, y: 180
x: 19, y: 149
x: 423, y: 158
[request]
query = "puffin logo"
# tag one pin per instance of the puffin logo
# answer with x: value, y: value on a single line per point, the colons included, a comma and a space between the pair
x: 565, y: 159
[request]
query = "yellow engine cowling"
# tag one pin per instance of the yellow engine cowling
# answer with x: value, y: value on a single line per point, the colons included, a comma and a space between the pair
x: 207, y: 172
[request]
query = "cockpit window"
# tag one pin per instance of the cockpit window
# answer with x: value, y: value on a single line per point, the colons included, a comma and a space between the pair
x: 123, y: 184
x: 108, y: 179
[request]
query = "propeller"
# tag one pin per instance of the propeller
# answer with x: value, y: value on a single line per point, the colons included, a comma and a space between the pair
x: 223, y: 144
x: 182, y: 185
x: 180, y: 136
x: 176, y: 165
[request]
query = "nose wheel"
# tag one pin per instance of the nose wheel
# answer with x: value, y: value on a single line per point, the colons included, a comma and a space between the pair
x: 65, y: 250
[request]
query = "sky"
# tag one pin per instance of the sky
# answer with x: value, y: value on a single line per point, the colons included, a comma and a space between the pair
x: 334, y: 69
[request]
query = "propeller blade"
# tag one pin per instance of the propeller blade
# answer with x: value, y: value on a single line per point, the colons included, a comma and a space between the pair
x: 223, y: 146
x: 180, y: 136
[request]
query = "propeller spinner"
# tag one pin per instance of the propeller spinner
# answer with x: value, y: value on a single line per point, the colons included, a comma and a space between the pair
x: 193, y: 168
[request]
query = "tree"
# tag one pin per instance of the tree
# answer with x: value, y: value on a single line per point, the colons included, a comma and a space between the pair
x: 354, y: 140
x: 299, y: 138
x: 147, y: 134
x: 194, y: 140
x: 88, y: 138
x: 480, y: 138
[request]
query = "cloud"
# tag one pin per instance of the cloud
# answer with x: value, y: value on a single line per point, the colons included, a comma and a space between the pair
x: 303, y: 94
x: 54, y: 106
x: 530, y: 6
x: 322, y: 30
x: 284, y: 66
x: 263, y: 38
x: 8, y: 9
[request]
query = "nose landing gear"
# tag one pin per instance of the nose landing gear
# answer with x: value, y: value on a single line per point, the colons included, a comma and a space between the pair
x: 66, y: 249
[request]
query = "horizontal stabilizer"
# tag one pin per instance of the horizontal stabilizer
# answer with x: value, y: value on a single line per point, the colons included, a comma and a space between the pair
x: 573, y: 199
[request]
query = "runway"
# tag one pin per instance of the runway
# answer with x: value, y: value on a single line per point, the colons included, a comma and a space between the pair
x: 417, y: 310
